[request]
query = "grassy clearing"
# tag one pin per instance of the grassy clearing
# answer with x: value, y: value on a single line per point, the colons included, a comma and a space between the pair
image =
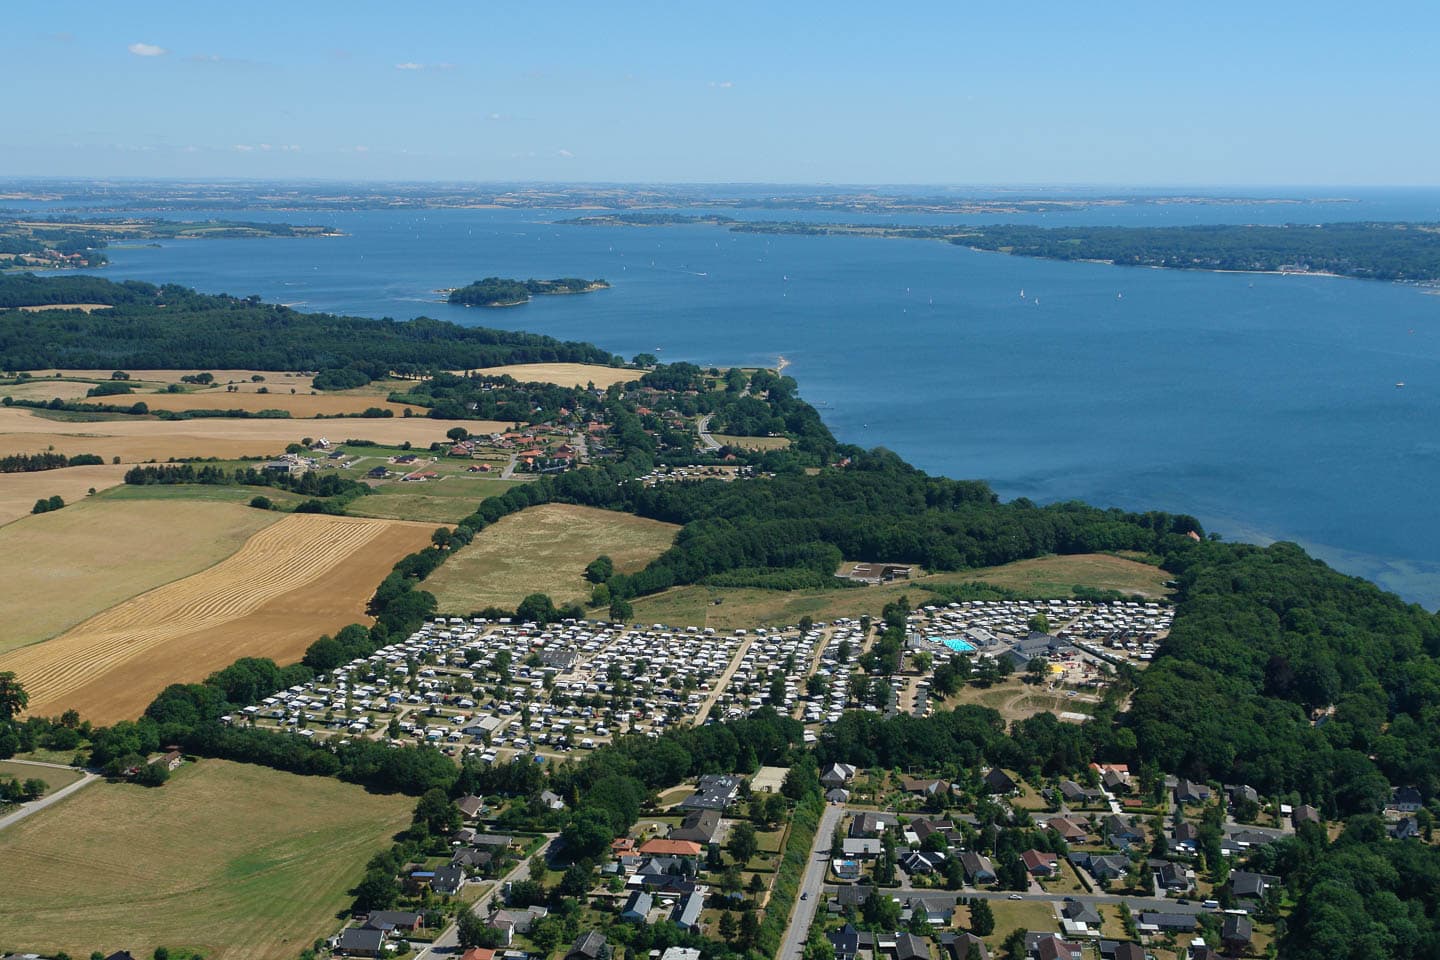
x: 753, y: 443
x: 199, y: 493
x: 54, y: 778
x: 1054, y: 576
x: 696, y: 605
x: 448, y: 500
x: 1019, y: 915
x: 305, y: 575
x: 237, y: 862
x: 102, y: 551
x: 544, y: 550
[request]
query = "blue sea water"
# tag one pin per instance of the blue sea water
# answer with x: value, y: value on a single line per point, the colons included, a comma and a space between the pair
x: 1267, y: 406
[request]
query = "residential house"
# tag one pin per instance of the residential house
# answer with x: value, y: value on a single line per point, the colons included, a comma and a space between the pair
x: 846, y: 942
x: 1074, y: 793
x: 1101, y: 866
x: 1235, y: 932
x: 1173, y: 876
x: 1186, y: 836
x: 448, y: 880
x: 870, y: 824
x: 1405, y: 800
x: 699, y: 826
x: 588, y: 946
x: 923, y: 786
x: 359, y: 942
x: 861, y: 848
x: 1187, y: 791
x: 1304, y: 814
x: 1077, y: 912
x: 936, y: 908
x: 388, y: 921
x: 837, y: 795
x: 978, y: 868
x: 998, y: 781
x: 1051, y: 946
x: 837, y: 775
x: 922, y: 861
x: 1040, y: 864
x: 926, y: 828
x: 687, y: 911
x: 471, y: 806
x: 1155, y: 922
x: 850, y: 897
x: 637, y: 907
x: 670, y: 848
x: 1128, y: 951
x: 552, y: 801
x: 1245, y: 885
x: 680, y: 953
x: 1070, y: 830
x: 910, y: 947
x: 712, y: 792
x: 957, y: 946
x: 1120, y: 832
x: 1406, y: 828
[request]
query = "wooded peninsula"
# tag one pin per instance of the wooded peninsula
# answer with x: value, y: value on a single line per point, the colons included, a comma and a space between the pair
x: 1369, y: 251
x: 59, y: 243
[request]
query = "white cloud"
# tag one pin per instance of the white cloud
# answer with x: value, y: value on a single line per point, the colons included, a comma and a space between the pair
x: 146, y: 50
x: 243, y: 148
x: 565, y: 154
x: 290, y: 148
x: 722, y: 84
x: 409, y: 66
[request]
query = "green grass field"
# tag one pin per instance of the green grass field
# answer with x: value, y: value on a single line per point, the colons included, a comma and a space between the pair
x: 448, y: 500
x: 54, y: 778
x: 234, y: 861
x: 544, y: 550
x: 195, y: 491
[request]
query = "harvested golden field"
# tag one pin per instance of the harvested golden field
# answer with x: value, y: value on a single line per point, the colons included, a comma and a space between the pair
x: 544, y: 550
x: 87, y: 307
x: 48, y: 390
x: 297, y: 404
x: 273, y: 379
x: 135, y: 441
x: 19, y: 491
x: 305, y: 575
x: 563, y: 374
x: 100, y: 552
x: 753, y: 443
x: 231, y: 860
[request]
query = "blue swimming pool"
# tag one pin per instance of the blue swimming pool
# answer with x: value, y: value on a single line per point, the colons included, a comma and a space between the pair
x: 955, y: 643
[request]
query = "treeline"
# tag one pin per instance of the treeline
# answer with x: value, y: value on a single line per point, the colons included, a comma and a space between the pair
x: 142, y: 409
x: 451, y: 397
x: 36, y: 462
x: 172, y: 326
x: 307, y: 484
x: 501, y: 291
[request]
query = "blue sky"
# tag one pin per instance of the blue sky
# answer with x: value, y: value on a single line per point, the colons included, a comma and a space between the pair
x: 946, y: 93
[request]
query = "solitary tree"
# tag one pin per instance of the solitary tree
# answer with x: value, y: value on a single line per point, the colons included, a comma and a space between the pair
x: 13, y: 698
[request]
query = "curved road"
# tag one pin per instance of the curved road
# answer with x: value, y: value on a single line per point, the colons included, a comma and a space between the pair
x: 35, y: 806
x: 702, y: 427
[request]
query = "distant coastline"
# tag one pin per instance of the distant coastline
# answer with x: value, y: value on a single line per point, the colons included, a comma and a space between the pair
x: 1398, y: 252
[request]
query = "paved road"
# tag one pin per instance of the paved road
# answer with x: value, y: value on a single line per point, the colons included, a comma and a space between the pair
x: 811, y: 886
x: 702, y: 427
x: 37, y: 805
x: 509, y: 472
x: 723, y: 682
x: 448, y: 943
x: 1136, y: 903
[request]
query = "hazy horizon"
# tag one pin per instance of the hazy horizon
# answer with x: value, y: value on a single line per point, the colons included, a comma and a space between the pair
x: 1306, y: 96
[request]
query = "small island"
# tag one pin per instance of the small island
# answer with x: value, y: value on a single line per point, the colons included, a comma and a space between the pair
x: 504, y: 292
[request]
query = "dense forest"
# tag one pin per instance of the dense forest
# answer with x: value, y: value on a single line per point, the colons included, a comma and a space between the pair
x: 503, y: 292
x: 174, y: 327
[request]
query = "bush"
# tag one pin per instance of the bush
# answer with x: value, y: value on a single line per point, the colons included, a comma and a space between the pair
x: 261, y: 503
